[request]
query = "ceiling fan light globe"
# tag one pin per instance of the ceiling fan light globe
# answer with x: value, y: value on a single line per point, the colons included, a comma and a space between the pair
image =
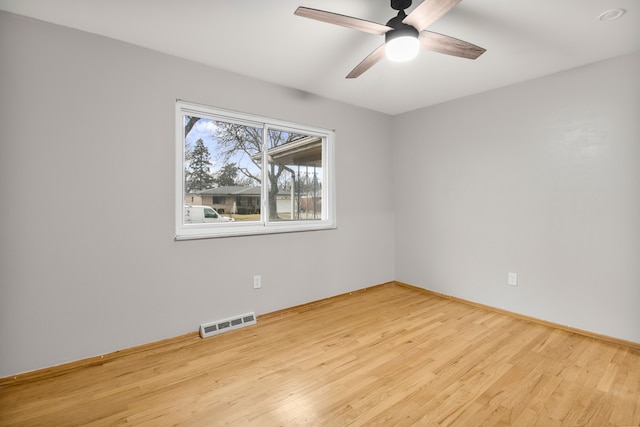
x: 401, y: 49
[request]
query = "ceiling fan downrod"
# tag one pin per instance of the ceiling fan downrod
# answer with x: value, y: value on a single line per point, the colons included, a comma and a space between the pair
x: 400, y: 4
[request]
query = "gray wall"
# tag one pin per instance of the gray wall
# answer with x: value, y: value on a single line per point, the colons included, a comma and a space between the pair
x: 89, y: 264
x: 542, y: 179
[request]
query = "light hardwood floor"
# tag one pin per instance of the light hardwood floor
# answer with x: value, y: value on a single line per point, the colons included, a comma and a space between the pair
x: 389, y: 355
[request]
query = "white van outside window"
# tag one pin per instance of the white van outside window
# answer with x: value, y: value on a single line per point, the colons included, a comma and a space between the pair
x: 195, y: 214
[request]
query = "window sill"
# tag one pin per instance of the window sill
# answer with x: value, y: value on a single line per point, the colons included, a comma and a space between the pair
x: 196, y: 232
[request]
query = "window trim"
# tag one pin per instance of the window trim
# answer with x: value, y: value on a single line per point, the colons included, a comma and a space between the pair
x: 263, y: 226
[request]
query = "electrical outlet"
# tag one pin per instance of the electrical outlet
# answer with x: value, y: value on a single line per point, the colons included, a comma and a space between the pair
x: 257, y: 282
x: 513, y: 279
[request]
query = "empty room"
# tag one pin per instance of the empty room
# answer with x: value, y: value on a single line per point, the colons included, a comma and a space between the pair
x: 320, y: 213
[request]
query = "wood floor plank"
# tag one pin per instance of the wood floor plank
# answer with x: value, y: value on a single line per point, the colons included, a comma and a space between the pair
x: 390, y: 355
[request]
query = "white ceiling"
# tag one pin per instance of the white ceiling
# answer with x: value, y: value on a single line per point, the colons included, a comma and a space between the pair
x: 265, y: 40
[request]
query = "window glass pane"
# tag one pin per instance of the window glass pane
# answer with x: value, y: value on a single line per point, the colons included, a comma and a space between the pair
x: 222, y: 170
x: 295, y: 176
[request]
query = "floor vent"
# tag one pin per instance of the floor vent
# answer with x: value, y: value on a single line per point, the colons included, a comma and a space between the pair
x: 224, y: 325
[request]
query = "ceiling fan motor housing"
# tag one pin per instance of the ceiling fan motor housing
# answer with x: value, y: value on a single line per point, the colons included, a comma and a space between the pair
x: 400, y: 29
x: 404, y: 31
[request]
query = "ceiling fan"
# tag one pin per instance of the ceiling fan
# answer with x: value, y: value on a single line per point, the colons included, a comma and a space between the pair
x: 404, y: 34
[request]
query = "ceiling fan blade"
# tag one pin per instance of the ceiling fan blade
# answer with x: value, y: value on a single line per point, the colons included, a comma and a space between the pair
x: 428, y: 12
x: 449, y: 46
x: 367, y: 62
x: 343, y: 20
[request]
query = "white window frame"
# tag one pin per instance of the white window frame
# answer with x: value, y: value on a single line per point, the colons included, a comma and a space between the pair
x: 264, y: 226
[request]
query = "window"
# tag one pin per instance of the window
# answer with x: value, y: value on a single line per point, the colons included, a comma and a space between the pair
x: 261, y: 175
